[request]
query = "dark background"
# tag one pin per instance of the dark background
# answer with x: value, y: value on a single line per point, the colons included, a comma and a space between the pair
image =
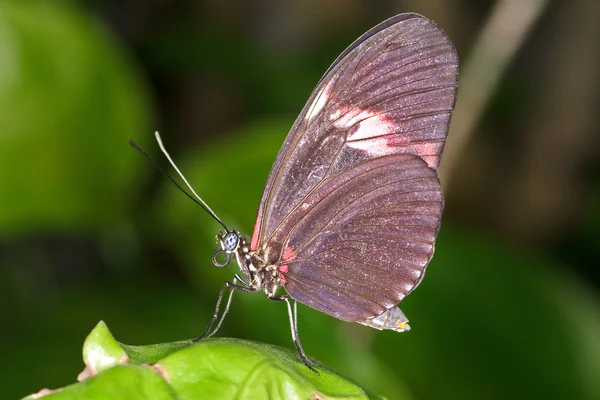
x: 90, y: 231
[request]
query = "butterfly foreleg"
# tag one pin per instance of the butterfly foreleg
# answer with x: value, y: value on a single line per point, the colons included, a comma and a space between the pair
x: 232, y: 286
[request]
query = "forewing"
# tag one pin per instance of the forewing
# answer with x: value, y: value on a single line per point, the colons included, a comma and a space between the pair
x: 390, y: 92
x: 360, y: 242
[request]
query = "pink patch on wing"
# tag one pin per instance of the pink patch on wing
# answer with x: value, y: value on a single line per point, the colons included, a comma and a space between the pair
x: 429, y: 152
x: 254, y: 242
x: 374, y: 147
x: 378, y: 135
x: 365, y: 124
x: 370, y: 132
x: 288, y: 255
x: 283, y: 269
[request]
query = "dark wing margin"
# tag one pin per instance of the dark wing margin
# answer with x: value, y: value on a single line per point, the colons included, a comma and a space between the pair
x: 361, y: 242
x: 371, y: 32
x: 391, y: 92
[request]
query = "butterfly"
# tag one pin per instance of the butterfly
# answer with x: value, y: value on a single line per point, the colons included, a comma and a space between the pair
x: 352, y: 206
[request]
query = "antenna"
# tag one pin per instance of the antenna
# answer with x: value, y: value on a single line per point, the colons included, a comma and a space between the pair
x: 200, y: 202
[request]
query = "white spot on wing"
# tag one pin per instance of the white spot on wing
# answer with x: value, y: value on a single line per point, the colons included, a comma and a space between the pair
x: 364, y: 124
x: 416, y: 274
x: 350, y: 117
x: 319, y: 102
x: 335, y: 115
x: 375, y: 147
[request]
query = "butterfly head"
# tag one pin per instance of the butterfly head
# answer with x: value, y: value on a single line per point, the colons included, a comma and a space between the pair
x: 229, y: 242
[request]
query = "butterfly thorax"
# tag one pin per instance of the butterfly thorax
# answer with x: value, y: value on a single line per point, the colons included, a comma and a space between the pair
x: 258, y: 274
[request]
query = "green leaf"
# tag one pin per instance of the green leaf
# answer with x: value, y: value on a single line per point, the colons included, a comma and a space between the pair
x: 131, y: 382
x: 101, y: 351
x: 212, y: 368
x: 231, y: 368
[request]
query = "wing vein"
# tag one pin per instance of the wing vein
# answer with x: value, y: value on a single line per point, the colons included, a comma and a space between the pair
x: 301, y: 247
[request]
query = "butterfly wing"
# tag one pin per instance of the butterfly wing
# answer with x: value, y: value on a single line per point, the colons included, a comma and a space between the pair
x: 353, y: 203
x: 391, y: 92
x: 360, y: 242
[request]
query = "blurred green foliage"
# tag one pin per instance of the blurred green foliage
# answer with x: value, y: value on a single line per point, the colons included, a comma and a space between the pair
x: 68, y: 94
x: 489, y: 321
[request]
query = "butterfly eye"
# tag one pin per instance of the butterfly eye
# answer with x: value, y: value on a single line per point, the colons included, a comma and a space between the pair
x: 230, y: 242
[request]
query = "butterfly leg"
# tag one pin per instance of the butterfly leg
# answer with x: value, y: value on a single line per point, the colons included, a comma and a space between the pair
x: 233, y: 286
x: 293, y: 315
